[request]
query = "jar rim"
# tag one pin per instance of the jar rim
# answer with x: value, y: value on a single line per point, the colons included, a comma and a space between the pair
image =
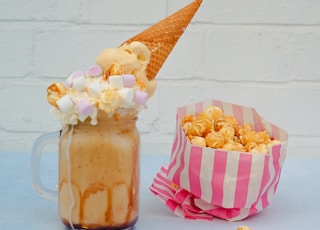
x: 118, y: 116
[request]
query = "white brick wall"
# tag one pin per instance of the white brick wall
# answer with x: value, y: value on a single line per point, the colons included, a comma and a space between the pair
x: 264, y: 54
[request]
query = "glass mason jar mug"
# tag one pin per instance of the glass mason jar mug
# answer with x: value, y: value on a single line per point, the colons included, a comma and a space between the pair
x: 99, y: 172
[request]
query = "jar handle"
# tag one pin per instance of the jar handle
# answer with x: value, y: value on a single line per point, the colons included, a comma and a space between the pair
x: 37, y: 150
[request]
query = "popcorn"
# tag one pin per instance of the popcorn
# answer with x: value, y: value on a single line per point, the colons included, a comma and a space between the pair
x: 54, y: 92
x: 199, y: 141
x: 227, y: 131
x: 243, y: 228
x: 114, y: 69
x: 215, y: 140
x: 211, y: 128
x: 109, y: 100
x: 214, y: 112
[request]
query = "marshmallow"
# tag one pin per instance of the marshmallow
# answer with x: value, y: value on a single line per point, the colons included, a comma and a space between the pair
x: 129, y: 80
x: 69, y: 81
x: 85, y: 108
x: 126, y: 94
x: 94, y: 71
x: 140, y: 97
x: 79, y: 83
x: 77, y: 74
x: 115, y: 81
x: 94, y: 89
x: 73, y: 76
x: 65, y: 104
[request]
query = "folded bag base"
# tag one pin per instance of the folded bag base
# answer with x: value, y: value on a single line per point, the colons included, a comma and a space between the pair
x: 203, y: 183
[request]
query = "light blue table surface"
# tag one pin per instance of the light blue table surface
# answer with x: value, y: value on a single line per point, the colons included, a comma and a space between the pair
x: 295, y: 206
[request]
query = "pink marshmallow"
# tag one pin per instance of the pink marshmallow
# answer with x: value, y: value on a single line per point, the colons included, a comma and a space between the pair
x: 77, y: 74
x: 85, y: 108
x: 94, y: 71
x: 141, y: 97
x: 129, y: 80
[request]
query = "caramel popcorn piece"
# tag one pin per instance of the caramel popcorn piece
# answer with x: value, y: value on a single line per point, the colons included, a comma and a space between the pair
x: 214, y: 112
x: 220, y: 122
x: 187, y: 118
x: 260, y: 148
x: 215, y: 140
x: 54, y: 92
x: 199, y: 141
x: 207, y: 122
x: 249, y: 136
x: 109, y: 100
x: 186, y: 122
x: 263, y: 137
x: 243, y: 128
x: 186, y: 127
x: 227, y: 131
x: 199, y: 127
x: 114, y: 69
x: 175, y: 186
x: 273, y: 142
x: 243, y: 228
x: 234, y: 146
x: 142, y: 85
x: 249, y: 146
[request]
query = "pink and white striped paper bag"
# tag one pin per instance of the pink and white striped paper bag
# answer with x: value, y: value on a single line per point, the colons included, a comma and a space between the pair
x: 202, y: 183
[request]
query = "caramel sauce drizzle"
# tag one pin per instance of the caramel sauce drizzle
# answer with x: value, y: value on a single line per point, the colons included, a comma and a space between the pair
x: 98, y: 187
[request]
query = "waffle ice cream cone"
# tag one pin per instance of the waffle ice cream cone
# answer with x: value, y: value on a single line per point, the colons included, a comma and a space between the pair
x: 162, y: 36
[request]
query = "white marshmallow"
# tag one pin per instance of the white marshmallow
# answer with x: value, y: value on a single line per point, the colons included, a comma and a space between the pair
x: 127, y: 95
x: 65, y: 104
x: 79, y: 83
x: 69, y: 80
x: 94, y: 89
x: 74, y: 75
x: 115, y: 81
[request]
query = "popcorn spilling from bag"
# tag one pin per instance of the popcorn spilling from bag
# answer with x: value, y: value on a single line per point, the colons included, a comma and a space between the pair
x: 243, y: 228
x: 117, y: 81
x: 211, y: 128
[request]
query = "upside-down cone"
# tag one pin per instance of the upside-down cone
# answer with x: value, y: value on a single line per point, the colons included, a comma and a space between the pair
x: 161, y: 37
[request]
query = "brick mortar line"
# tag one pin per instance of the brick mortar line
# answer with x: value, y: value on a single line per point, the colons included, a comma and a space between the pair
x: 194, y: 24
x: 23, y: 81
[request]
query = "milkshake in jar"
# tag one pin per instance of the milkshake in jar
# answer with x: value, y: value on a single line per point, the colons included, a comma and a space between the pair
x: 98, y: 185
x: 99, y: 165
x: 99, y: 172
